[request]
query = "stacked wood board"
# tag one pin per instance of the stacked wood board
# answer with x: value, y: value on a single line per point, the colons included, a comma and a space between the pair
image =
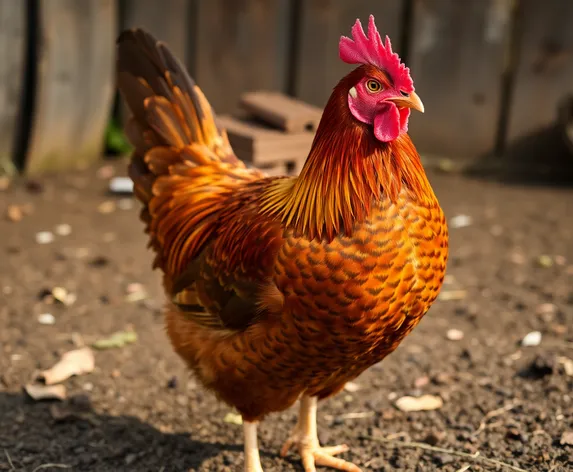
x: 272, y: 132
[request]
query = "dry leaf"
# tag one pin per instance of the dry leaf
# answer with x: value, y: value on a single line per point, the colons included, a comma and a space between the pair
x: 233, y: 418
x: 423, y: 403
x: 567, y: 438
x: 448, y: 295
x: 46, y: 392
x: 77, y: 362
x: 116, y: 340
x: 567, y: 365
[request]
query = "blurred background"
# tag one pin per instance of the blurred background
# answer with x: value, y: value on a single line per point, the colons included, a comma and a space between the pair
x: 495, y: 353
x: 495, y: 75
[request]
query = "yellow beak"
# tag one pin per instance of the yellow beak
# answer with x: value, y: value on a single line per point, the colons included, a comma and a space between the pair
x: 412, y: 101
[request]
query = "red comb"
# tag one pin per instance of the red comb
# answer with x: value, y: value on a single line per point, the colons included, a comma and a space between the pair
x: 362, y: 49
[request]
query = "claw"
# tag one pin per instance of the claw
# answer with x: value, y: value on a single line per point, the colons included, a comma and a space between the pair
x: 311, y: 452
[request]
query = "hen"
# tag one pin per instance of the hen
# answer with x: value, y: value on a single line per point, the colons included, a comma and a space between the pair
x: 285, y: 288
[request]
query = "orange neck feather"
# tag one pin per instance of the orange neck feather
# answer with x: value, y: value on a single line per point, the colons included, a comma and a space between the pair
x: 346, y: 172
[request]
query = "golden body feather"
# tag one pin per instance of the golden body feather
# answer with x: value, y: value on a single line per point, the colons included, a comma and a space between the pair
x: 278, y: 286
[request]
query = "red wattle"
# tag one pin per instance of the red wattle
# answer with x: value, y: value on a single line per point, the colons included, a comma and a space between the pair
x: 387, y: 124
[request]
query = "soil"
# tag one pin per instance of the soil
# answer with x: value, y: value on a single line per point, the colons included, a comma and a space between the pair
x: 510, y: 273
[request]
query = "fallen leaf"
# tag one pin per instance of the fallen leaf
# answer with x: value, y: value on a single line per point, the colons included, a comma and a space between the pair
x: 545, y: 261
x: 116, y: 340
x: 61, y: 295
x: 46, y: 392
x: 233, y: 418
x: 423, y: 403
x: 449, y: 295
x: 567, y: 438
x: 567, y: 365
x: 76, y: 362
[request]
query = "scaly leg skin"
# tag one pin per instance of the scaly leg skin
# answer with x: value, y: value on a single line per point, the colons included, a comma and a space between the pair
x: 305, y: 437
x: 252, y: 459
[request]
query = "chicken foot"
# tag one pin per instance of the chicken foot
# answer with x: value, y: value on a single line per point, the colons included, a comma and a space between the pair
x: 305, y: 436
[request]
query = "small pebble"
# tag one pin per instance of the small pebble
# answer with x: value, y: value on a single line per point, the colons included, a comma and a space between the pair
x: 351, y: 387
x: 121, y: 185
x: 63, y: 230
x: 455, y: 335
x: 460, y: 221
x: 106, y: 207
x: 532, y: 339
x: 46, y: 319
x: 88, y: 386
x: 14, y: 213
x: 44, y: 237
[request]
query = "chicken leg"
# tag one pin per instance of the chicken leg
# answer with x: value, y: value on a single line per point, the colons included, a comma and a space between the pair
x: 305, y: 436
x: 252, y: 458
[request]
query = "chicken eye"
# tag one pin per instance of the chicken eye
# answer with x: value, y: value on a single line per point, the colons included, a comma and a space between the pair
x: 373, y: 86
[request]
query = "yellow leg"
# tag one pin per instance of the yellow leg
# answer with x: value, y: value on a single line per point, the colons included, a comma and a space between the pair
x: 252, y: 459
x: 305, y: 436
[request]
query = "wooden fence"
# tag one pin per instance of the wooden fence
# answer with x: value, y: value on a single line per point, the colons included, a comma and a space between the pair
x: 488, y: 71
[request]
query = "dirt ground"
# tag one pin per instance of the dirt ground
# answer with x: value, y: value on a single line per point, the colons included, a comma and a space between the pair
x: 510, y: 273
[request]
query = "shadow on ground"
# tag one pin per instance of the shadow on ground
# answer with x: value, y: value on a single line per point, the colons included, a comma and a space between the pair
x: 30, y: 437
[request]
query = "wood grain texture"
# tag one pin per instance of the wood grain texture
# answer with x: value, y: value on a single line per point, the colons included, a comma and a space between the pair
x: 319, y: 68
x: 241, y: 45
x: 456, y: 62
x: 545, y: 71
x: 75, y: 83
x: 167, y: 20
x: 12, y: 62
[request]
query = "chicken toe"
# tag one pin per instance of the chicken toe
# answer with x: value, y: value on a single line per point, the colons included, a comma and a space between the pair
x: 305, y: 437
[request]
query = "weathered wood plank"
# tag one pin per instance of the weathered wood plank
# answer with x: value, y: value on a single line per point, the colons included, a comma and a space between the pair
x: 241, y: 45
x: 318, y: 67
x: 261, y: 145
x: 456, y: 62
x: 12, y: 63
x: 167, y: 20
x: 284, y: 112
x: 545, y: 71
x: 75, y: 83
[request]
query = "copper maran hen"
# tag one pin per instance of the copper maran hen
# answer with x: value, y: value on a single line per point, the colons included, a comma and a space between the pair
x: 285, y: 288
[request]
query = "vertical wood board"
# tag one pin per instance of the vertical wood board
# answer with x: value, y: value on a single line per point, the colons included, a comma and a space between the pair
x: 318, y: 67
x: 75, y: 83
x: 12, y: 63
x: 456, y: 61
x: 545, y: 72
x: 241, y: 45
x: 167, y: 20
